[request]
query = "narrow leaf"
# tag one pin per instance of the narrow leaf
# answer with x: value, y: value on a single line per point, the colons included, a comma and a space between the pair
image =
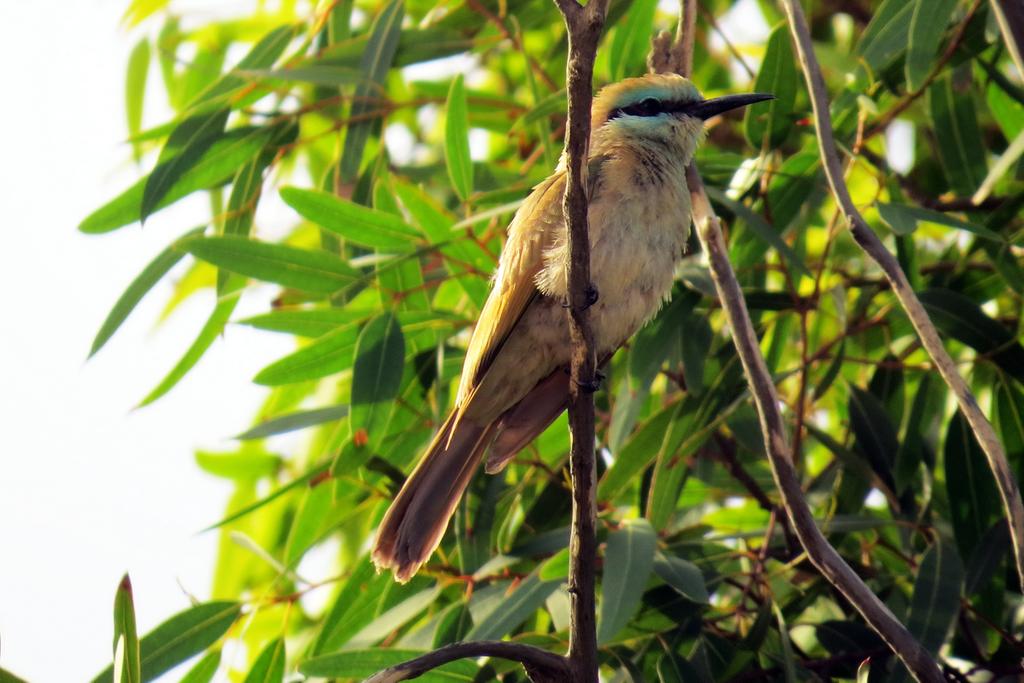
x: 903, y: 220
x: 135, y: 91
x: 514, y: 609
x: 291, y: 422
x: 928, y: 22
x: 184, y: 635
x: 269, y: 666
x: 211, y: 330
x: 204, y: 670
x: 456, y: 140
x: 356, y: 223
x: 961, y: 149
x: 139, y: 287
x: 186, y: 145
x: 936, y: 599
x: 361, y: 664
x: 959, y: 317
x: 682, y: 575
x: 376, y: 59
x: 127, y: 662
x: 329, y: 354
x: 315, y: 271
x: 220, y: 162
x: 628, y: 560
x: 973, y: 497
x: 770, y: 123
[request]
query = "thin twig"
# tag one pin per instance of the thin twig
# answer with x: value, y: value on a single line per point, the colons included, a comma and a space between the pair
x: 541, y: 666
x: 584, y: 26
x: 873, y: 247
x: 822, y: 555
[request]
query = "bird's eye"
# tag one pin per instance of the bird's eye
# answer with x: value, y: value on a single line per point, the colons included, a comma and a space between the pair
x: 649, y: 106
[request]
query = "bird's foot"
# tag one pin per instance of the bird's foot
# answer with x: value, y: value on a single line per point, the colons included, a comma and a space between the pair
x: 593, y: 385
x: 590, y: 298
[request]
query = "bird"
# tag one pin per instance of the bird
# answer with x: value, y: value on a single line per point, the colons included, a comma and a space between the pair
x: 515, y: 379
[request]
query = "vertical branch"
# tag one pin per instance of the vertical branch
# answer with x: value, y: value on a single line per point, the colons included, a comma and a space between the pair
x: 873, y: 247
x: 584, y: 26
x: 766, y: 400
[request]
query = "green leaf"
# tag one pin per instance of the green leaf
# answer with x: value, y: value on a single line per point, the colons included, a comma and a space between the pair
x: 186, y: 145
x: 219, y: 163
x: 456, y: 141
x: 140, y: 9
x: 241, y: 210
x: 628, y: 559
x: 514, y: 609
x: 875, y: 434
x: 305, y: 322
x: 346, y: 616
x: 788, y: 660
x: 356, y: 223
x: 329, y: 354
x: 204, y: 670
x: 377, y: 370
x: 247, y: 463
x: 211, y: 330
x: 291, y: 422
x: 555, y: 567
x: 135, y: 91
x: 903, y: 220
x: 886, y: 35
x: 1009, y: 421
x: 184, y: 635
x: 765, y: 232
x: 959, y: 317
x: 374, y: 64
x: 315, y: 506
x: 315, y: 271
x: 684, y: 576
x: 674, y: 669
x: 973, y: 498
x: 389, y: 621
x: 360, y: 664
x: 154, y: 271
x: 928, y: 22
x: 127, y: 662
x: 936, y: 600
x: 632, y: 39
x: 550, y: 105
x: 770, y: 123
x: 328, y: 76
x: 269, y: 666
x: 262, y: 56
x: 961, y: 149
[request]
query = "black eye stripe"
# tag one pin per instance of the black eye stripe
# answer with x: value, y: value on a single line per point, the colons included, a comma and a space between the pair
x: 648, y: 106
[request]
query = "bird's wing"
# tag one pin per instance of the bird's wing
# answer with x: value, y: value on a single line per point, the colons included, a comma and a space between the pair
x: 534, y: 227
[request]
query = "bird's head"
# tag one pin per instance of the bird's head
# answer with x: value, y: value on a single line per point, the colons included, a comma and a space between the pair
x: 663, y: 109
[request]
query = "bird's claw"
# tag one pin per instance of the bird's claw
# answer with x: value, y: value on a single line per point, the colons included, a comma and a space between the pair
x: 591, y: 386
x: 590, y: 298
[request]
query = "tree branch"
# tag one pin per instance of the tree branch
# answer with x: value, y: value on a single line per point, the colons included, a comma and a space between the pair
x: 822, y: 555
x: 541, y: 666
x: 873, y: 247
x: 584, y: 26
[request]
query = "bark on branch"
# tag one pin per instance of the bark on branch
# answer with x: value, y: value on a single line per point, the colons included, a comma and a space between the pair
x: 873, y: 247
x: 584, y: 26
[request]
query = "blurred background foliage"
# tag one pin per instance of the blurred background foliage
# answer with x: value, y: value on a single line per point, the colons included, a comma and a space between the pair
x: 363, y: 159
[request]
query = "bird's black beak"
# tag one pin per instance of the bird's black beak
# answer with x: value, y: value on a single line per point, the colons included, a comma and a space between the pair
x: 705, y: 109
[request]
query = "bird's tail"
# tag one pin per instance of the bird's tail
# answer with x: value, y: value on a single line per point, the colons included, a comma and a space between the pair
x: 417, y: 519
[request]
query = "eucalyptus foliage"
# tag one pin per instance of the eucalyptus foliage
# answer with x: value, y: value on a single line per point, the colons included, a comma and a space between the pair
x: 358, y: 116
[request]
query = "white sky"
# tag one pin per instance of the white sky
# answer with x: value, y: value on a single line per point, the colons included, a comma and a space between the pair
x: 88, y: 488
